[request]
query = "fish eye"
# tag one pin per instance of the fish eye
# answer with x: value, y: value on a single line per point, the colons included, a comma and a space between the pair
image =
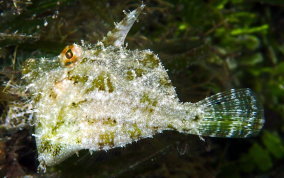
x: 70, y: 55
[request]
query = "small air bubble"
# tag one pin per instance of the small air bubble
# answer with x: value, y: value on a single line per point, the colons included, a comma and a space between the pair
x: 45, y: 23
x: 55, y: 15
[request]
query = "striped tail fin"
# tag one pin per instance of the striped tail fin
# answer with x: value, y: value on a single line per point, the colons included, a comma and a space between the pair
x: 235, y: 113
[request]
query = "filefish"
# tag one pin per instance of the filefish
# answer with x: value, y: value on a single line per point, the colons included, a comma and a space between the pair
x: 102, y: 96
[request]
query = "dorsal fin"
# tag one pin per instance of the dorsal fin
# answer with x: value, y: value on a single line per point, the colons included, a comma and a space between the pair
x: 117, y: 36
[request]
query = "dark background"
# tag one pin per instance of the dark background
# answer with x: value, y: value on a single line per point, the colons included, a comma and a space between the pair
x: 207, y: 46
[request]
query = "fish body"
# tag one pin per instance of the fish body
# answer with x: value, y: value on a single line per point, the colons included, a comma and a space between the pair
x: 103, y: 96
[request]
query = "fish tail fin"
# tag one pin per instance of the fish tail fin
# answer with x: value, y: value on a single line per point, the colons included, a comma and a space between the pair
x: 234, y: 113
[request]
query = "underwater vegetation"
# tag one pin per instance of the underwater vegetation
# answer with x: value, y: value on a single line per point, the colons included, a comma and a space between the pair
x: 206, y: 47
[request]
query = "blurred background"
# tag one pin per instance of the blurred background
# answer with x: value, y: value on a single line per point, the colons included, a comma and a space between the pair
x: 207, y: 46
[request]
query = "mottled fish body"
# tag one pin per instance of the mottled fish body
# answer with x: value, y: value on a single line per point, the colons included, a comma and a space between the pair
x: 103, y: 96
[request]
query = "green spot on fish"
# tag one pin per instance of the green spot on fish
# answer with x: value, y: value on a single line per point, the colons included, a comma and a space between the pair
x: 102, y: 82
x: 109, y: 121
x: 106, y: 139
x: 150, y: 102
x: 150, y: 60
x: 165, y: 82
x: 139, y: 72
x: 130, y: 75
x: 48, y: 147
x: 79, y: 79
x: 134, y: 132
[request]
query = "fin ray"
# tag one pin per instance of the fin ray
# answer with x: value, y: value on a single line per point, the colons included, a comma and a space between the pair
x: 117, y: 36
x: 235, y: 113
